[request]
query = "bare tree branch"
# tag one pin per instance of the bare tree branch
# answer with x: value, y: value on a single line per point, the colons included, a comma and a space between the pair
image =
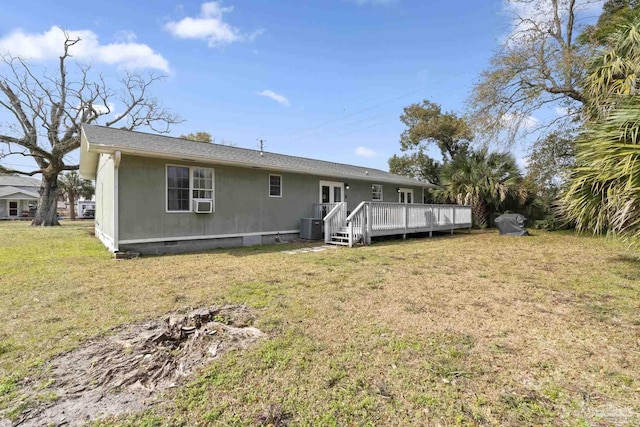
x: 47, y: 110
x: 538, y: 65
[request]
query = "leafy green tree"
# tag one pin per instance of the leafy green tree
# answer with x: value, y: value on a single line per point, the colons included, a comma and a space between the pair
x: 615, y: 13
x: 73, y: 187
x: 416, y: 165
x: 428, y: 125
x: 485, y: 180
x: 549, y: 161
x: 198, y: 137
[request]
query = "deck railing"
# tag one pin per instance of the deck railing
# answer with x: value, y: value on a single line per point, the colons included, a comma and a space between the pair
x: 334, y: 220
x: 357, y: 224
x: 320, y: 210
x: 382, y: 218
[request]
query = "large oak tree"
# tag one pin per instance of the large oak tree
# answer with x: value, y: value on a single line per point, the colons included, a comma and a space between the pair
x: 46, y: 109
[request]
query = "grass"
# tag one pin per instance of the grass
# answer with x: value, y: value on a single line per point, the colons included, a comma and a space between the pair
x: 461, y: 330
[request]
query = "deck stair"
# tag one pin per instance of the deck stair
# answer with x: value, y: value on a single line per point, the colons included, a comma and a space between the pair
x: 340, y: 237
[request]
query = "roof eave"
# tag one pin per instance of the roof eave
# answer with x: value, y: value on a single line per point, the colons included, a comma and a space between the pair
x: 88, y: 159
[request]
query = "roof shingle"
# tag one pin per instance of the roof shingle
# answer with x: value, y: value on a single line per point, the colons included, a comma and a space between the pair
x: 110, y: 139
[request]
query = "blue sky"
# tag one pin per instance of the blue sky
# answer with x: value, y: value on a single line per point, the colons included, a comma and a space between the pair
x: 323, y: 79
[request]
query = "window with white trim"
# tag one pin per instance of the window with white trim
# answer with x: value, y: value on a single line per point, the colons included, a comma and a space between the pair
x: 275, y: 185
x: 178, y: 189
x: 186, y: 184
x: 376, y: 192
x: 202, y: 183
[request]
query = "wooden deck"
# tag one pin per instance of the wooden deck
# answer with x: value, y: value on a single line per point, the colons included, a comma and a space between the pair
x: 371, y: 219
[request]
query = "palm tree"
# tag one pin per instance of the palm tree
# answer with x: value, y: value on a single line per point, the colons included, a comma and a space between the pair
x: 73, y: 186
x: 604, y: 186
x: 484, y: 180
x: 615, y: 71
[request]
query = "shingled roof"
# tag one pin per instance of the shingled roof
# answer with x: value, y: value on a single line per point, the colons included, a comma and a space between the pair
x: 19, y: 181
x: 99, y: 139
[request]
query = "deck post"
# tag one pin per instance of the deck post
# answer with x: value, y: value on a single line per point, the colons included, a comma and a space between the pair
x: 369, y: 223
x: 431, y: 222
x: 350, y: 234
x: 453, y: 221
x: 406, y: 220
x: 327, y: 232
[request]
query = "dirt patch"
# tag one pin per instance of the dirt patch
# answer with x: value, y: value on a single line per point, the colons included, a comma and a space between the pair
x: 126, y: 371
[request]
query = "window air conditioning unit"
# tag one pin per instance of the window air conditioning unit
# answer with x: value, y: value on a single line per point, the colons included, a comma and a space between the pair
x: 203, y: 206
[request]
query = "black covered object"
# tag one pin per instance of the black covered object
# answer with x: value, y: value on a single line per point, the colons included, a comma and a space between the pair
x: 512, y: 225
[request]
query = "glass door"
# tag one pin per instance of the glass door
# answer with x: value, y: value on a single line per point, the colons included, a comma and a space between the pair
x: 405, y: 195
x: 331, y: 192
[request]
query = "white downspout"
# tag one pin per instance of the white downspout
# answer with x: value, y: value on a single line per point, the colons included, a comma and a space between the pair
x: 117, y: 157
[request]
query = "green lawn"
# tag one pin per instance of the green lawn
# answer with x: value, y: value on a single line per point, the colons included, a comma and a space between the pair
x: 463, y: 330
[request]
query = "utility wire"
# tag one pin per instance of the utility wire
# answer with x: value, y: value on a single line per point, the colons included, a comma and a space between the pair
x: 343, y: 127
x: 319, y: 128
x: 364, y: 128
x: 356, y: 112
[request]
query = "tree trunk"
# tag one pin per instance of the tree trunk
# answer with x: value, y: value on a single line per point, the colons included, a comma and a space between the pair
x: 480, y: 213
x: 47, y: 212
x: 72, y: 206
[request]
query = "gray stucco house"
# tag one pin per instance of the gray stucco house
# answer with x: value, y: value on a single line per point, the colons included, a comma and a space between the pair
x: 18, y: 196
x: 159, y: 194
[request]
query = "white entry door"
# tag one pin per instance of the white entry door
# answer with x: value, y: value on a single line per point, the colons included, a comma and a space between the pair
x: 405, y: 195
x: 331, y: 192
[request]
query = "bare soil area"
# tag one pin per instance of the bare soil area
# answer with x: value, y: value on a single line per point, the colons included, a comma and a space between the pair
x: 127, y: 371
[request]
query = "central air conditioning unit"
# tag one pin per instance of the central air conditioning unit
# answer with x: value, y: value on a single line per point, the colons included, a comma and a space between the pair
x: 202, y: 206
x: 311, y: 228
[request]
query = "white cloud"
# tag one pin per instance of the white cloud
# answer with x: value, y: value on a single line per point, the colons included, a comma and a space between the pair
x: 209, y: 26
x: 522, y: 122
x: 561, y: 111
x: 281, y: 99
x: 102, y: 110
x: 523, y: 162
x: 125, y: 36
x: 48, y: 45
x: 365, y: 152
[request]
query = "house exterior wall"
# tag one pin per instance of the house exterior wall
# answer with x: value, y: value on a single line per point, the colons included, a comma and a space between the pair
x: 244, y: 213
x: 4, y: 208
x: 105, y: 186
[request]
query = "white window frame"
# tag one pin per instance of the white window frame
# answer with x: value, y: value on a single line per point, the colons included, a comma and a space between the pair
x: 191, y: 198
x: 373, y: 191
x: 269, y: 185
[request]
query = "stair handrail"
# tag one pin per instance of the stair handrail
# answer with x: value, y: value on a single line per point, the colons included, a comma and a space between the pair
x: 359, y: 230
x: 329, y: 219
x: 356, y: 210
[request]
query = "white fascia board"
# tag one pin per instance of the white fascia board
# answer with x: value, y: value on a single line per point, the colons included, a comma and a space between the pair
x: 88, y: 159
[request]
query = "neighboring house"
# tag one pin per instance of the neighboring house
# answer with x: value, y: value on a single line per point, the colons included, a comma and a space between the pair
x: 18, y: 196
x: 158, y: 194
